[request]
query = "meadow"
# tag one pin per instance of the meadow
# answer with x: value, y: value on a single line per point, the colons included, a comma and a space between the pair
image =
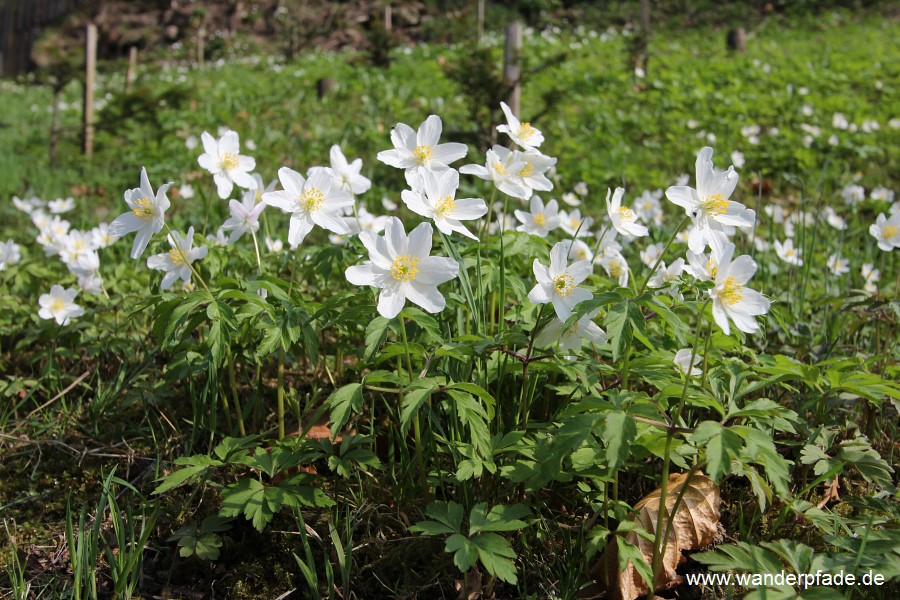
x: 328, y: 398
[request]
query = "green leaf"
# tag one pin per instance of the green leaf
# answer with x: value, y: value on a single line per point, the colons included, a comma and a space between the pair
x: 496, y: 555
x: 341, y: 402
x: 448, y: 513
x: 619, y: 432
x: 721, y: 446
x: 376, y: 332
x: 205, y: 547
x: 180, y: 476
x: 257, y: 502
x: 465, y: 552
x: 411, y: 404
x: 501, y: 518
x: 618, y: 328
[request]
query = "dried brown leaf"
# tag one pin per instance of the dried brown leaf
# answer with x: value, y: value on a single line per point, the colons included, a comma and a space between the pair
x: 694, y: 526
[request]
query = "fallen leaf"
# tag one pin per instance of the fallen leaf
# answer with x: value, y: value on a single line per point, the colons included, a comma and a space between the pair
x: 832, y: 492
x: 695, y: 526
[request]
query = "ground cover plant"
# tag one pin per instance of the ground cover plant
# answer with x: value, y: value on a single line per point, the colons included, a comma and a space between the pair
x: 400, y: 341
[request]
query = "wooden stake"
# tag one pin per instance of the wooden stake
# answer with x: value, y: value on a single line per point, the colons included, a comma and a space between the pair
x: 480, y: 11
x: 512, y: 64
x: 132, y: 68
x: 201, y: 43
x: 89, y: 76
x: 388, y: 17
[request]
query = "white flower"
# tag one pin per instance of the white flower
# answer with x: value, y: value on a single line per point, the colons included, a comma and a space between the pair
x: 702, y: 267
x: 146, y: 217
x: 388, y: 204
x: 176, y: 261
x: 313, y: 201
x: 731, y: 298
x: 572, y: 337
x: 60, y: 205
x: 533, y: 171
x: 579, y: 250
x: 806, y: 110
x: 419, y: 151
x: 709, y: 203
x: 788, y: 253
x: 541, y: 220
x: 651, y: 253
x: 223, y: 159
x: 244, y: 216
x: 365, y: 221
x: 9, y: 254
x: 683, y: 358
x: 581, y: 188
x: 558, y: 283
x: 76, y: 244
x: 191, y: 142
x: 347, y: 175
x: 615, y: 266
x: 838, y: 265
x: 624, y: 220
x: 894, y: 208
x: 274, y: 246
x: 502, y: 167
x: 665, y: 275
x: 839, y: 121
x: 834, y: 219
x: 186, y: 191
x: 737, y: 157
x: 60, y: 305
x: 573, y: 222
x: 886, y: 231
x: 871, y: 276
x: 853, y: 194
x: 437, y: 200
x: 833, y: 140
x: 28, y: 205
x: 402, y: 268
x: 521, y: 133
x: 100, y: 236
x: 882, y: 193
x: 648, y: 208
x: 571, y: 199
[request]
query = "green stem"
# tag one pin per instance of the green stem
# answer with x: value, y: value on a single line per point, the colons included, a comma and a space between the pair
x: 662, y: 255
x: 281, y: 393
x: 523, y: 399
x: 417, y: 428
x: 659, y: 541
x: 234, y: 393
x: 187, y: 262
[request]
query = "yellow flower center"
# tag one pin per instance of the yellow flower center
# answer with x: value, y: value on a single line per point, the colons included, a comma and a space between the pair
x: 571, y: 331
x: 444, y: 207
x: 175, y: 257
x: 732, y: 291
x: 889, y: 231
x: 498, y: 166
x: 712, y: 268
x: 404, y: 268
x: 57, y: 305
x: 627, y: 214
x: 229, y: 161
x: 422, y: 154
x: 527, y: 170
x: 615, y: 269
x: 563, y: 284
x: 142, y: 208
x: 526, y: 131
x: 540, y: 219
x: 714, y: 205
x: 311, y: 199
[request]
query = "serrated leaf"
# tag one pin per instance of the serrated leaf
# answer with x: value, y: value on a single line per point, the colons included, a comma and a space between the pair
x: 376, y: 332
x: 618, y: 328
x: 341, y: 402
x: 619, y: 432
x: 496, y: 555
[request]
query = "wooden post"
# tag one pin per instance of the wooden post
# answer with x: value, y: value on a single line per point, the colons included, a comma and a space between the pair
x: 90, y: 61
x: 645, y: 36
x: 201, y: 44
x: 480, y: 12
x: 132, y: 68
x: 388, y: 16
x: 512, y: 64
